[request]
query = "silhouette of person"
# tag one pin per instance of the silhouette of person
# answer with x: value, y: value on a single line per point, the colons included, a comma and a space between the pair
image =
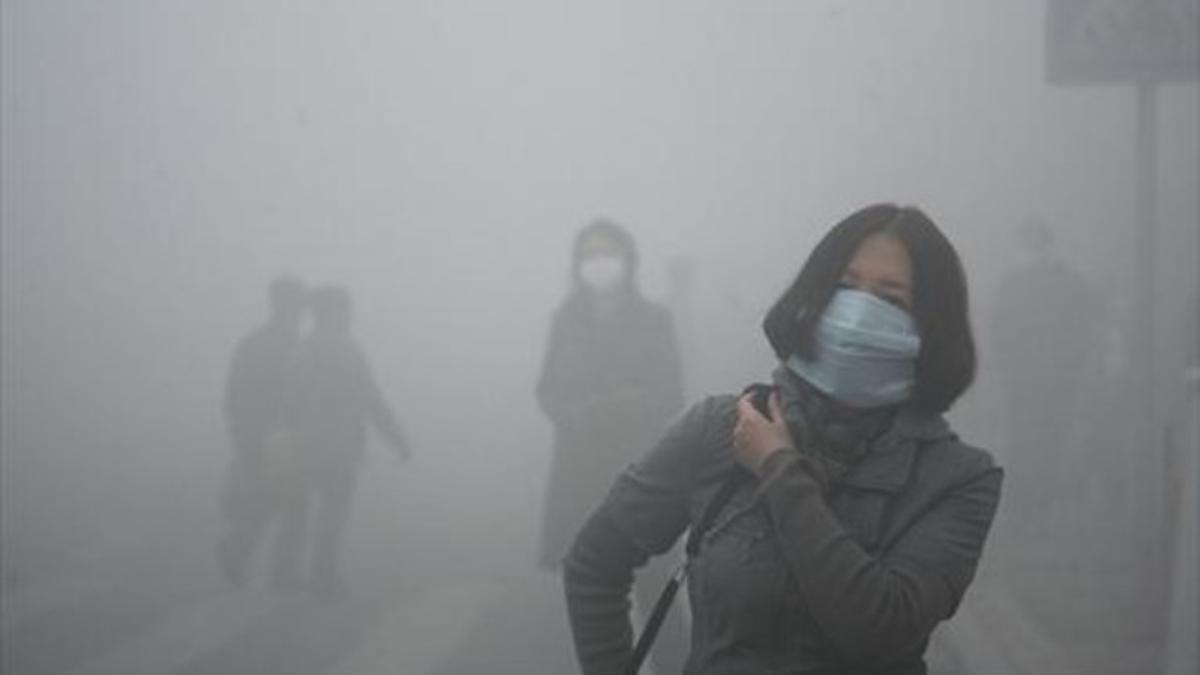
x: 1046, y: 345
x: 610, y: 383
x: 258, y: 390
x: 336, y: 399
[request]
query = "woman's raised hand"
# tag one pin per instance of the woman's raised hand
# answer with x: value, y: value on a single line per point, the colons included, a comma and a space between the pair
x: 755, y: 437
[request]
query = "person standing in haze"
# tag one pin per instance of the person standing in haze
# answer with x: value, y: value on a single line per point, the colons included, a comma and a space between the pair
x: 610, y: 383
x: 1047, y: 344
x: 337, y: 398
x: 852, y: 518
x: 258, y: 389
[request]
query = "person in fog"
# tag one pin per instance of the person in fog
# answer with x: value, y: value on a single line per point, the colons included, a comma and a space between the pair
x: 610, y: 382
x: 1047, y: 341
x: 856, y: 518
x: 336, y: 400
x: 258, y: 390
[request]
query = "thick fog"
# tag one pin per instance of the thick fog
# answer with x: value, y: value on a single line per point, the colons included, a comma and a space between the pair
x: 164, y: 161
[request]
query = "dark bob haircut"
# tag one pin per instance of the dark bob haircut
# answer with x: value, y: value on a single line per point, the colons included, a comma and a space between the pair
x: 946, y: 363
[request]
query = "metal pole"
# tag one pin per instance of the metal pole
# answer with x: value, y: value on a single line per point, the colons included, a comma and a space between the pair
x: 1146, y: 218
x: 1153, y: 504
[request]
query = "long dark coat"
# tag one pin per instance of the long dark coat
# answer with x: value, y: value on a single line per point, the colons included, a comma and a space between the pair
x: 609, y: 385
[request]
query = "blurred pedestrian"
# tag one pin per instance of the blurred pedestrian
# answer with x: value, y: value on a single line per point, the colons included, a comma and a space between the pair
x: 1047, y: 333
x: 610, y: 383
x: 260, y: 385
x: 337, y: 400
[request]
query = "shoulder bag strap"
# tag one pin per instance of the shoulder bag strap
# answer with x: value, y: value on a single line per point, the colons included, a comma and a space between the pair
x: 667, y: 597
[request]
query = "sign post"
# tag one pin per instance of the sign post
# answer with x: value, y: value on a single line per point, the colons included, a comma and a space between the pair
x: 1145, y: 43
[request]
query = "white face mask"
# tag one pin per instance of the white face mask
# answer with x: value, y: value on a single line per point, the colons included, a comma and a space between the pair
x: 602, y: 272
x: 866, y: 351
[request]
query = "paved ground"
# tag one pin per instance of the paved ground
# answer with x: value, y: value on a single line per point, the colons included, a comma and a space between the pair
x: 139, y: 622
x: 1081, y: 591
x: 143, y: 621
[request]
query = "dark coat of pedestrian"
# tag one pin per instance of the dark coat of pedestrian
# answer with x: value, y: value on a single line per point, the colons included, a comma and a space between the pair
x: 610, y: 382
x: 259, y: 392
x: 337, y: 401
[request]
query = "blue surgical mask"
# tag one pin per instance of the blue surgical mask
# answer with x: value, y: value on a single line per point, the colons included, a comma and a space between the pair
x: 865, y: 351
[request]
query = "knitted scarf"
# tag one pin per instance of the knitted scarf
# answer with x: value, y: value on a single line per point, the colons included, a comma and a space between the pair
x: 837, y: 435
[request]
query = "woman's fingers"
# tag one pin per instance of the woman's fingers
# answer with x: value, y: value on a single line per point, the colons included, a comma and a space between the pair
x: 746, y: 409
x: 774, y: 407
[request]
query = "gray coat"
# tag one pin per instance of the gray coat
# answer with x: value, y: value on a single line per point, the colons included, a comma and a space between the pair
x: 794, y: 576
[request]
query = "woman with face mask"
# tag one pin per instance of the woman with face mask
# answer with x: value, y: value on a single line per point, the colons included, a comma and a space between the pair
x: 856, y: 517
x: 610, y: 384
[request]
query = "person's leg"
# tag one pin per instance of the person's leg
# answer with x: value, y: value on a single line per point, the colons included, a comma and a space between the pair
x: 336, y: 492
x: 244, y: 515
x: 290, y: 535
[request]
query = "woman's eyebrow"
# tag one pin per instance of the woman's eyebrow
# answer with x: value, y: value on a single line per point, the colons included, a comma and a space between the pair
x: 895, y: 284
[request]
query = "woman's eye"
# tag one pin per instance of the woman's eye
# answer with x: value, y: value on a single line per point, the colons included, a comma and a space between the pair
x: 893, y: 300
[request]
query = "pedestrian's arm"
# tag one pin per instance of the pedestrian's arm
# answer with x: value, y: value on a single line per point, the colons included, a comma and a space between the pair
x: 878, y: 609
x: 644, y: 514
x: 381, y: 414
x: 874, y: 609
x: 597, y: 576
x: 238, y: 397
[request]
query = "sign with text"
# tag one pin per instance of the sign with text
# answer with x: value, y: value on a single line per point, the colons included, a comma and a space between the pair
x: 1122, y: 41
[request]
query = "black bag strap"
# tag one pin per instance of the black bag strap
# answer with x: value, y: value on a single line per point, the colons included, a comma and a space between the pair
x: 695, y: 537
x: 667, y: 597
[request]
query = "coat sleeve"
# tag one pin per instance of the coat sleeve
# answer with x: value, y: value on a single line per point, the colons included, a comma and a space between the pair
x: 239, y: 396
x: 379, y: 411
x: 666, y: 369
x: 878, y: 609
x: 643, y: 515
x: 556, y: 394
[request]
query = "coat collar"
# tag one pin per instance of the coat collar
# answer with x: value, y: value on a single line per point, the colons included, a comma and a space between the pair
x: 889, y: 463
